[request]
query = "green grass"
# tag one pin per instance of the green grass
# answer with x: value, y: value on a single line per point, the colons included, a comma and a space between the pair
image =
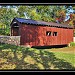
x: 65, y: 56
x: 16, y: 57
x: 72, y: 44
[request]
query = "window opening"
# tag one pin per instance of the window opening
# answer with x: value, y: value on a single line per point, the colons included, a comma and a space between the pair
x: 48, y: 33
x: 54, y: 33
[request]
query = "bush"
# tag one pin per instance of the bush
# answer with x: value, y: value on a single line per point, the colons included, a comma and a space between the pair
x: 72, y: 44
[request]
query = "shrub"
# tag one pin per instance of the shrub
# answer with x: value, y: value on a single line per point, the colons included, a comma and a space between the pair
x: 72, y: 44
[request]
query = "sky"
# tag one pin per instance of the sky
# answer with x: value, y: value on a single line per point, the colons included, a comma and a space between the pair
x: 69, y: 12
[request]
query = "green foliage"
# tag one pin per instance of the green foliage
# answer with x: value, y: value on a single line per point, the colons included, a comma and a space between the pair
x: 6, y: 16
x: 47, y: 13
x: 72, y: 44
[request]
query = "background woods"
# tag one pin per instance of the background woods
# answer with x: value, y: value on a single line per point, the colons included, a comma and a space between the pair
x: 49, y: 13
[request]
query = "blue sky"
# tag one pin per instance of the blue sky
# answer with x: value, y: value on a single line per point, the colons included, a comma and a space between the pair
x: 69, y: 12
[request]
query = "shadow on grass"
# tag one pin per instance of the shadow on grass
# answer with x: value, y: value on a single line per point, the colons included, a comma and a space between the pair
x: 49, y: 61
x: 43, y: 59
x: 7, y: 46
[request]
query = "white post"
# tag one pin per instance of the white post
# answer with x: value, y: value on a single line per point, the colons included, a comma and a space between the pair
x: 73, y: 39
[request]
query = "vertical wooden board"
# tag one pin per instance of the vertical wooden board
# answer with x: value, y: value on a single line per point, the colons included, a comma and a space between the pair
x: 38, y: 40
x: 59, y: 36
x: 45, y: 39
x: 57, y: 30
x: 44, y: 35
x: 32, y: 35
x: 21, y: 32
x: 36, y: 32
x: 35, y: 35
x: 46, y: 42
x: 54, y: 38
x: 70, y: 35
x: 64, y: 36
x: 24, y: 34
x: 48, y: 38
x: 51, y: 39
x: 28, y: 30
x: 41, y: 36
x: 38, y: 37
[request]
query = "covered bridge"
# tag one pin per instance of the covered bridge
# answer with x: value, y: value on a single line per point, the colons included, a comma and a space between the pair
x: 40, y: 33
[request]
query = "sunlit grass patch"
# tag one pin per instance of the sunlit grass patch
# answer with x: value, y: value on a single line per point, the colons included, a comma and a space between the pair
x: 6, y: 50
x: 40, y: 66
x: 10, y: 55
x: 8, y: 66
x: 67, y: 57
x: 19, y: 55
x: 3, y: 60
x: 29, y: 60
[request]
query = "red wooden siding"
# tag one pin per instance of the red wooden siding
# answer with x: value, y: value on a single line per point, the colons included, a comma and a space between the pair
x: 36, y: 35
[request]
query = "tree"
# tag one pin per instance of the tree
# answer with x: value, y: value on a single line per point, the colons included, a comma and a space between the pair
x: 71, y: 20
x: 45, y: 13
x: 6, y: 16
x: 49, y: 13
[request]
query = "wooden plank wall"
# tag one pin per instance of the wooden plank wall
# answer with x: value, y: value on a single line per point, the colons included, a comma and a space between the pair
x: 36, y: 35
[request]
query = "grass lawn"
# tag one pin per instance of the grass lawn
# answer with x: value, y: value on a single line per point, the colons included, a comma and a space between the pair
x: 15, y: 57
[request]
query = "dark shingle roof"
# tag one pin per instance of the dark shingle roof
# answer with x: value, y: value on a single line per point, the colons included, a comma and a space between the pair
x: 29, y: 21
